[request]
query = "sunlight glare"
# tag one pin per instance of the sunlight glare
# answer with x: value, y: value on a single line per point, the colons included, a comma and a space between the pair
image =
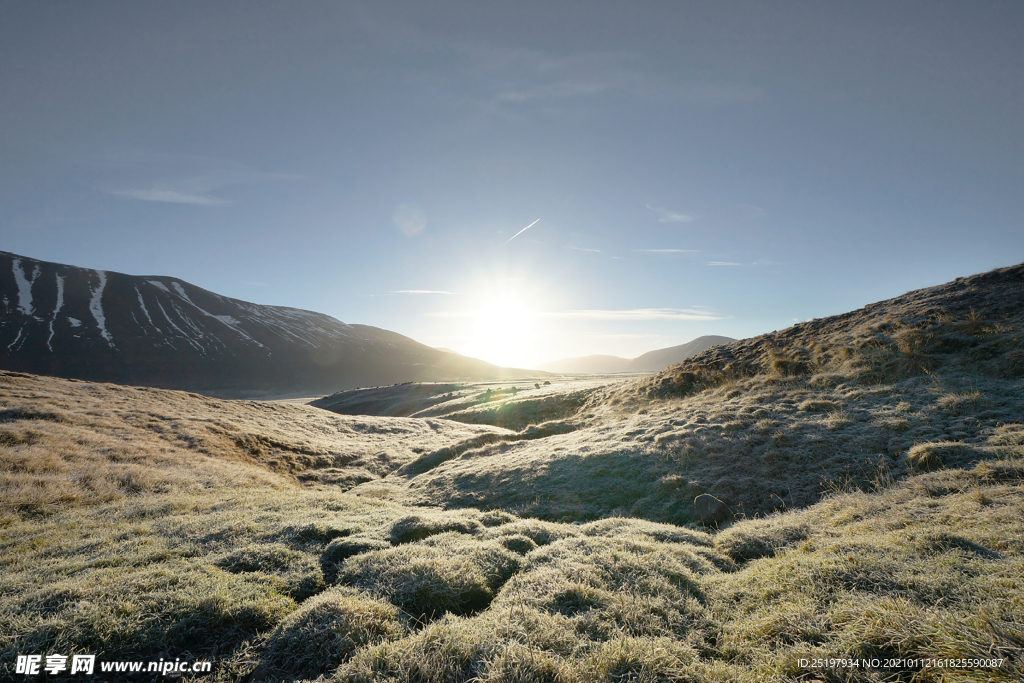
x: 503, y: 331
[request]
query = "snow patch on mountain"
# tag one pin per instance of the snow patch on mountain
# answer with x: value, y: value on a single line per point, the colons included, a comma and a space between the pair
x: 56, y: 309
x: 180, y: 331
x: 145, y: 310
x: 181, y: 291
x: 96, y: 307
x: 227, y: 320
x: 24, y: 286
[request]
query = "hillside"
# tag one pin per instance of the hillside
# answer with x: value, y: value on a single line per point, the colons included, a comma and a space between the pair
x: 652, y: 361
x: 160, y: 331
x: 514, y: 405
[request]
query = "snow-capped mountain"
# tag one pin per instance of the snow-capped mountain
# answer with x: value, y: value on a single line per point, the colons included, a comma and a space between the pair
x: 72, y: 322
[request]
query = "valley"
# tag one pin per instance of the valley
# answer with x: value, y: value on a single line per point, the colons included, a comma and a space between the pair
x: 867, y: 472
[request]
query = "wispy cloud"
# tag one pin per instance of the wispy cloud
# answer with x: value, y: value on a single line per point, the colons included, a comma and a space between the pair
x: 752, y: 211
x: 634, y: 314
x: 723, y: 263
x: 170, y: 196
x: 520, y: 77
x: 593, y: 251
x: 532, y: 76
x: 668, y: 251
x: 671, y: 216
x: 631, y: 314
x: 177, y: 178
x: 622, y: 336
x: 516, y: 78
x: 419, y: 291
x: 521, y: 232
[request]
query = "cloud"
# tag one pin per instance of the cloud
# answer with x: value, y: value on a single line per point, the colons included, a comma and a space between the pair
x: 524, y: 76
x: 602, y: 314
x: 510, y: 78
x: 634, y: 314
x: 521, y: 76
x: 622, y: 336
x: 669, y: 251
x: 671, y: 216
x: 593, y: 251
x: 171, y: 197
x: 520, y: 232
x: 176, y: 178
x: 752, y: 211
x: 419, y: 291
x: 723, y: 263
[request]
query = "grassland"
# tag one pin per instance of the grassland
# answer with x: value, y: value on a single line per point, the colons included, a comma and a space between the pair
x: 873, y: 466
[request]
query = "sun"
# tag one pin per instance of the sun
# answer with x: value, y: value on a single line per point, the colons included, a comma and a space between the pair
x: 503, y: 331
x: 499, y: 313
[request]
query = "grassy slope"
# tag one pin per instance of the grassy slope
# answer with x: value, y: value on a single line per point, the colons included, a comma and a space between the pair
x: 759, y: 444
x: 148, y: 524
x: 65, y: 441
x: 514, y: 405
x: 309, y: 581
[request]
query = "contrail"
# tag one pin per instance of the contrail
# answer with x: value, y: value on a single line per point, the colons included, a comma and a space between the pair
x: 521, y: 232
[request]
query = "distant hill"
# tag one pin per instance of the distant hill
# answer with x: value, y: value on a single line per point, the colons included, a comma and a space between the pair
x: 655, y: 361
x: 652, y: 361
x: 159, y: 331
x: 593, y: 365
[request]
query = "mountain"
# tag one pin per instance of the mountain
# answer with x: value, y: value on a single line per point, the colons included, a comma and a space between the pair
x: 587, y: 365
x: 160, y: 331
x: 652, y: 361
x: 655, y: 361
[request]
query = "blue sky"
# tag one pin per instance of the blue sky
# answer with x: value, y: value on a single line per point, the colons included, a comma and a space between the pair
x: 696, y: 167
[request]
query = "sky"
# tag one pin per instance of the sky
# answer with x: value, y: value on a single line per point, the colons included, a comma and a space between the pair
x: 685, y: 168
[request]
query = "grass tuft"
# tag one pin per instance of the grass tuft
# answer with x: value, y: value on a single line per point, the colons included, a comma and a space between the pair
x: 328, y: 629
x: 449, y: 573
x: 934, y: 455
x: 417, y: 527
